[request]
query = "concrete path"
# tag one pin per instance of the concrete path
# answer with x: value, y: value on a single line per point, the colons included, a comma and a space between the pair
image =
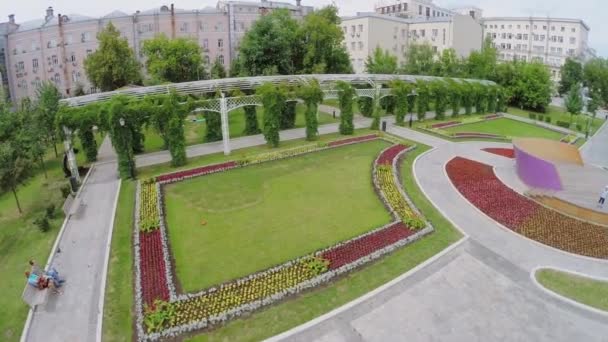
x: 479, y: 291
x: 595, y: 151
x: 74, y: 315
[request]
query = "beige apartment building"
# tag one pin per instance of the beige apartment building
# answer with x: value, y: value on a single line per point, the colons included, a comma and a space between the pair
x: 54, y: 47
x: 366, y: 31
x: 547, y: 40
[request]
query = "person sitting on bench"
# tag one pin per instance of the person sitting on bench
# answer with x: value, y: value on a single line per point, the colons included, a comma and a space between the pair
x: 42, y: 282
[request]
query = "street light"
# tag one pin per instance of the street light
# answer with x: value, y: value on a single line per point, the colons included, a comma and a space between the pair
x: 121, y: 122
x: 413, y: 93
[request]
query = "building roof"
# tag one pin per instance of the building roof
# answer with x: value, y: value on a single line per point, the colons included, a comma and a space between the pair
x: 374, y: 15
x: 266, y: 4
x: 565, y: 20
x: 115, y: 14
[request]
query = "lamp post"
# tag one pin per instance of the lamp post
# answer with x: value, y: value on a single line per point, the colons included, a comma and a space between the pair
x: 413, y: 93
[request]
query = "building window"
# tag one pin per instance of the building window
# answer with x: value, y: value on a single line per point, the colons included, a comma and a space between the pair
x: 435, y: 32
x: 519, y: 27
x: 85, y: 37
x: 560, y: 39
x: 89, y: 51
x: 220, y: 43
x: 572, y: 40
x: 51, y: 44
x: 510, y: 27
x: 352, y: 46
x: 204, y: 27
x: 544, y: 27
x: 535, y: 27
x: 219, y: 27
x: 35, y: 63
x: 183, y: 27
x: 360, y: 28
x: 422, y: 33
x: 560, y: 50
x: 75, y: 76
x: 54, y: 60
x: 563, y: 29
x: 552, y: 28
x: 542, y: 37
x: 221, y: 59
x: 443, y: 36
x: 502, y: 27
x: 360, y: 46
x: 419, y: 10
x: 525, y: 37
x: 527, y: 27
x: 73, y: 58
x: 20, y: 67
x: 205, y: 43
x: 571, y: 52
x: 68, y: 39
x: 57, y: 79
x: 573, y: 30
x: 35, y: 46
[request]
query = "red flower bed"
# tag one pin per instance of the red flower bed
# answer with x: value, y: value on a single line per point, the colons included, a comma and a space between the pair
x: 445, y: 124
x: 478, y: 184
x: 505, y: 152
x: 475, y: 135
x: 390, y: 154
x: 492, y: 116
x: 152, y: 265
x: 352, y: 140
x: 353, y: 250
x: 196, y: 172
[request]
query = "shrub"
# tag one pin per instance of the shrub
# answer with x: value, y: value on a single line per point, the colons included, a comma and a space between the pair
x: 42, y: 223
x: 50, y: 211
x: 532, y: 116
x: 563, y: 124
x: 159, y: 314
x: 65, y: 191
x: 547, y: 119
x: 579, y: 127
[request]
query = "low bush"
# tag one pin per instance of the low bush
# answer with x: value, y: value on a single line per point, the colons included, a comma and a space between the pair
x: 42, y: 223
x: 547, y: 119
x: 65, y: 191
x: 50, y: 211
x: 563, y: 124
x: 579, y: 127
x: 532, y: 116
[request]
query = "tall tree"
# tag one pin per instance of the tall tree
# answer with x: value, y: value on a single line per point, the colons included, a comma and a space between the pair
x: 574, y: 101
x: 217, y: 70
x: 596, y: 77
x: 15, y: 168
x: 381, y: 62
x: 533, y: 86
x: 174, y: 60
x: 113, y: 65
x: 47, y: 107
x: 482, y: 64
x: 449, y: 64
x: 572, y: 73
x: 420, y: 59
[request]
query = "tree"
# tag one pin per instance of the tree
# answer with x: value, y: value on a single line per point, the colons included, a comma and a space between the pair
x: 120, y: 123
x: 454, y: 96
x: 572, y: 73
x: 533, y: 86
x: 319, y: 41
x: 47, y: 107
x: 420, y: 59
x: 346, y: 96
x: 78, y: 89
x: 482, y: 64
x: 440, y: 97
x: 268, y: 47
x: 402, y: 92
x: 468, y: 97
x: 592, y: 106
x: 574, y: 101
x: 595, y: 73
x: 312, y: 95
x: 174, y: 60
x: 273, y: 99
x: 449, y: 65
x: 113, y: 65
x: 218, y: 70
x: 381, y: 62
x: 15, y: 167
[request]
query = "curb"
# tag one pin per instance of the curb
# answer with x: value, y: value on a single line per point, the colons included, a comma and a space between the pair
x: 30, y: 315
x: 565, y: 299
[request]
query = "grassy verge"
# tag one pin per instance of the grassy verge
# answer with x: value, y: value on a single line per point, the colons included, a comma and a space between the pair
x: 507, y: 128
x: 118, y: 307
x: 583, y: 290
x: 559, y: 114
x: 195, y: 131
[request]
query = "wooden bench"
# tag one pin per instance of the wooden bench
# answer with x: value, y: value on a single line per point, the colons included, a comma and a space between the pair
x: 33, y: 296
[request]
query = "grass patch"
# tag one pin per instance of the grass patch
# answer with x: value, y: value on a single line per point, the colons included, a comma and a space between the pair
x: 118, y: 308
x: 583, y: 290
x: 195, y: 131
x: 264, y: 215
x: 508, y: 128
x: 560, y: 114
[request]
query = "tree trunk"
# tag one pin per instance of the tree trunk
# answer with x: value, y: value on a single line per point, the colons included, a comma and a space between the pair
x: 17, y: 200
x: 43, y: 167
x: 53, y: 139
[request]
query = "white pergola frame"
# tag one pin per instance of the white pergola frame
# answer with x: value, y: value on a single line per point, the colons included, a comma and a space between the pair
x: 224, y: 105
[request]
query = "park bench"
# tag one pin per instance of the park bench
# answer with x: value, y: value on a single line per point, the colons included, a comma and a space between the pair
x: 33, y: 296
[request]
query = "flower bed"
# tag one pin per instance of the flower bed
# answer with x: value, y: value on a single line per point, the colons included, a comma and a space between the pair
x: 480, y: 186
x: 187, y: 312
x: 477, y: 135
x: 352, y: 140
x: 148, y: 211
x: 505, y: 152
x: 446, y: 124
x: 492, y: 116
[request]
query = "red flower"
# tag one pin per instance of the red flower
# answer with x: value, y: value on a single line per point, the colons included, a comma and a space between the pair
x: 352, y: 140
x: 153, y: 269
x: 505, y: 152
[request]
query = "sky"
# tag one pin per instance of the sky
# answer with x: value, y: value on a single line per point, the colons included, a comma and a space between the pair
x: 593, y: 12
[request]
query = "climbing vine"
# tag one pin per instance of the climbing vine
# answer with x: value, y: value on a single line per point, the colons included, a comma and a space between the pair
x: 439, y: 93
x: 251, y: 121
x: 120, y: 123
x: 423, y: 100
x: 273, y: 99
x: 402, y: 93
x: 366, y: 106
x: 346, y: 95
x: 375, y: 113
x: 454, y: 97
x: 288, y: 115
x: 312, y: 95
x: 467, y: 97
x: 480, y: 96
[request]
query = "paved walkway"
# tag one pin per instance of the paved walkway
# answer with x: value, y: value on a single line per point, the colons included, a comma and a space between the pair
x: 595, y: 151
x: 80, y: 257
x: 479, y: 291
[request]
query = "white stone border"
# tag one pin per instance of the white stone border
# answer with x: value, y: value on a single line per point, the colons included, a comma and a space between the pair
x: 563, y: 298
x: 30, y: 314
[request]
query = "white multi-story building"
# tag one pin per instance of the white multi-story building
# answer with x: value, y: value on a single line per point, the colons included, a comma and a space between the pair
x: 366, y: 31
x: 547, y: 40
x: 412, y: 9
x: 54, y: 48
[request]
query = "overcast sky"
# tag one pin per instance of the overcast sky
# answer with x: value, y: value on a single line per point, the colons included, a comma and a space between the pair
x: 593, y: 12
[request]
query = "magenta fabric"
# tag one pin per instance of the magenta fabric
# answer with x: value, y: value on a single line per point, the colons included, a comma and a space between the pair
x: 536, y: 172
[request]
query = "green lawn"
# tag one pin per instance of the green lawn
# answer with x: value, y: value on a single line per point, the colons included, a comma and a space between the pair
x: 195, y: 131
x: 266, y: 214
x: 507, y: 127
x: 583, y: 290
x: 290, y: 313
x: 560, y: 114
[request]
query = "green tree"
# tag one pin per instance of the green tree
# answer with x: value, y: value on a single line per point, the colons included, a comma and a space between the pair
x: 47, y: 107
x: 454, y: 96
x: 533, y: 86
x: 449, y: 64
x: 439, y: 93
x: 15, y: 167
x: 273, y: 99
x: 467, y: 97
x: 574, y: 101
x: 572, y: 73
x: 269, y: 46
x: 420, y: 59
x: 218, y: 70
x: 346, y: 96
x: 595, y: 74
x: 319, y: 42
x: 381, y: 62
x: 174, y: 60
x: 312, y: 95
x: 113, y: 65
x: 482, y: 64
x: 402, y: 92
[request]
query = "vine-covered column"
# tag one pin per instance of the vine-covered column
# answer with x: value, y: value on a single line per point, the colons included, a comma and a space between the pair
x: 122, y: 138
x: 273, y: 99
x: 346, y: 95
x: 376, y: 109
x: 312, y: 95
